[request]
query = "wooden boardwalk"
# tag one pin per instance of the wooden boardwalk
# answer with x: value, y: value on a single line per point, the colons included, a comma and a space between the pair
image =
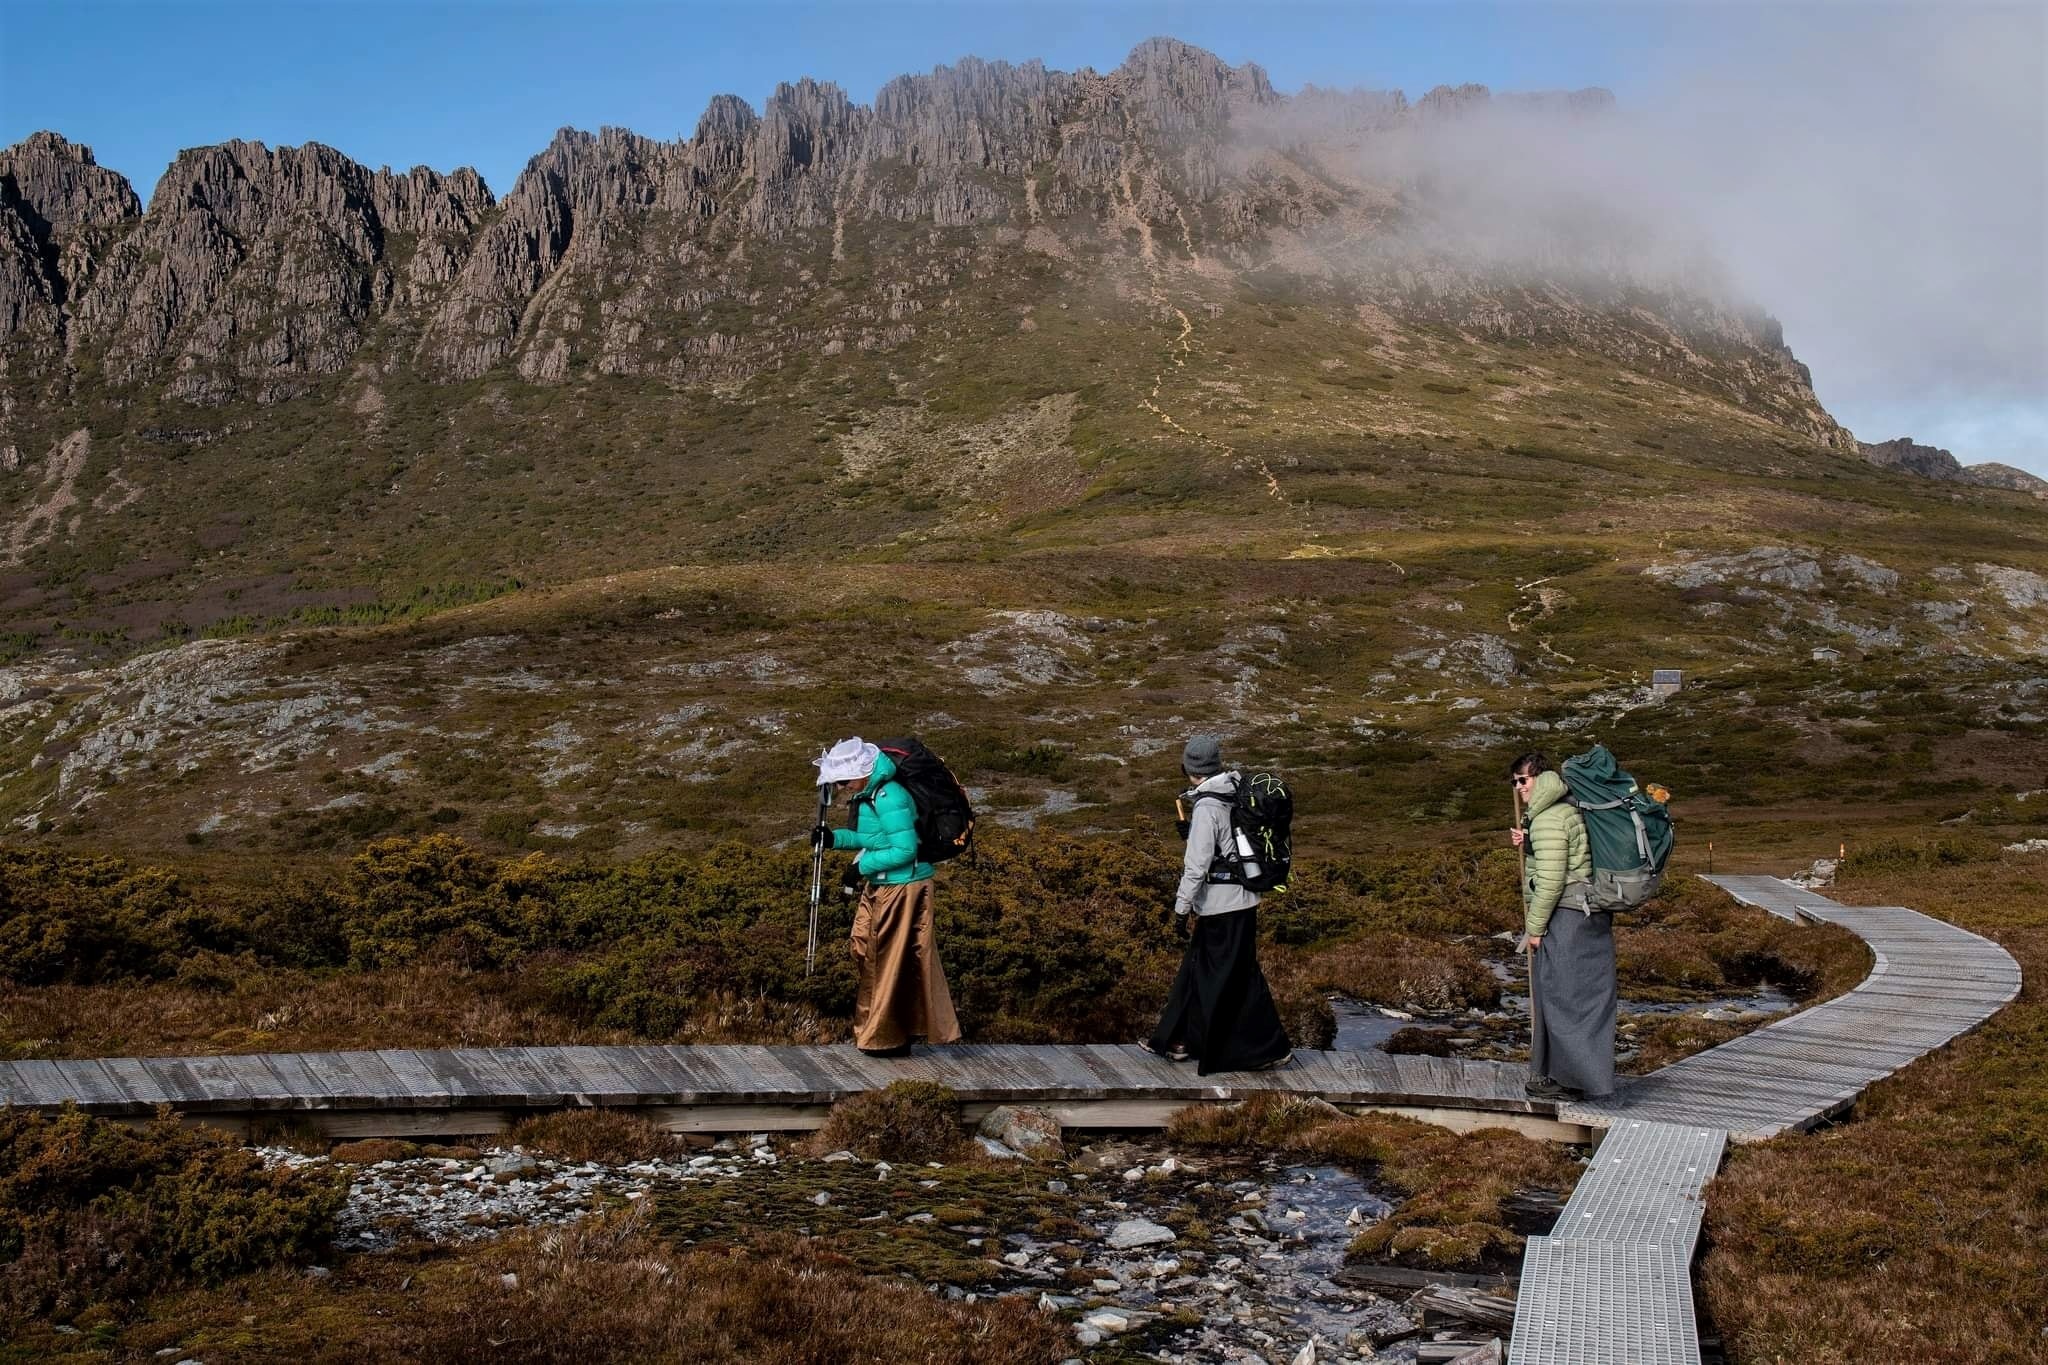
x: 1612, y: 1283
x: 1609, y: 1286
x: 402, y: 1090
x: 1931, y: 983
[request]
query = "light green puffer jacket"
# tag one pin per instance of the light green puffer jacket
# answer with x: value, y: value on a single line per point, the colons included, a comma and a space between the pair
x: 884, y: 830
x: 1558, y: 854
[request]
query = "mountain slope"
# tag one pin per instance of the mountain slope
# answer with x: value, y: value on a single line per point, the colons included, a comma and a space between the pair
x: 653, y: 342
x: 1048, y: 414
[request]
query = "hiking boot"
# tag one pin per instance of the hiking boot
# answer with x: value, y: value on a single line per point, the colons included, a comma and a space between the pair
x: 1543, y: 1088
x: 901, y: 1050
x: 1172, y: 1054
x: 1284, y: 1060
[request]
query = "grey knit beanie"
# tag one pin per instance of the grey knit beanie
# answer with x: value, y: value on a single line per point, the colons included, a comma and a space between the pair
x: 1203, y: 756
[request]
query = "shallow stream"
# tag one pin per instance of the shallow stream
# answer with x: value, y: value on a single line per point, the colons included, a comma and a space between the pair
x: 1503, y: 1033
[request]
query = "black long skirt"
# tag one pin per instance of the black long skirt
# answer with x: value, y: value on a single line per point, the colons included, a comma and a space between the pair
x: 1220, y: 1009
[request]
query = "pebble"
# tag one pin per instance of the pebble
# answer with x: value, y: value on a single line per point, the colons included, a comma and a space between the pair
x: 1253, y: 1294
x: 1139, y: 1232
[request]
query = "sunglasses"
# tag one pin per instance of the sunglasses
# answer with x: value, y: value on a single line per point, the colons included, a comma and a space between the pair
x: 1522, y: 781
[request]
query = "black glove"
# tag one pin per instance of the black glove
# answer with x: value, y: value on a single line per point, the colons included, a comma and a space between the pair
x: 821, y: 836
x: 850, y: 880
x: 1180, y: 827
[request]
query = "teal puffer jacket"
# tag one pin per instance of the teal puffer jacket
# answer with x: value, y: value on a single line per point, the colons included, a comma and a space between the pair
x: 884, y: 830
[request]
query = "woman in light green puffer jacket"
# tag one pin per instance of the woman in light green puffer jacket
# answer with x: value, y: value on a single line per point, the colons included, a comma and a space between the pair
x: 1572, y: 992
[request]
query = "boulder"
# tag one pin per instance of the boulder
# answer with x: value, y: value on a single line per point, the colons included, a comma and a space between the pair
x: 1032, y: 1132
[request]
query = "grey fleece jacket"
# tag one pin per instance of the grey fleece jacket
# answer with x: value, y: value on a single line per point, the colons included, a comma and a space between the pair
x: 1208, y: 835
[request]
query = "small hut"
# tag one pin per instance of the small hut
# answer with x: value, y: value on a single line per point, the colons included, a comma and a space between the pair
x: 1665, y: 681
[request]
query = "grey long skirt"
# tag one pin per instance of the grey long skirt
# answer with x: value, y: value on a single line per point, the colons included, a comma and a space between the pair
x: 1572, y: 1037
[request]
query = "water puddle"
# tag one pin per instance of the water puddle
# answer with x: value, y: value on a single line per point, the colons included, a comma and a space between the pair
x: 1363, y: 1026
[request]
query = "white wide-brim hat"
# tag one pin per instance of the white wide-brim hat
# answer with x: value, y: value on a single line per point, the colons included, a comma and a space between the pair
x: 846, y: 760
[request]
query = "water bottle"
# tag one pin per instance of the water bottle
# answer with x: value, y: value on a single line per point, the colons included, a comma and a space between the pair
x: 1245, y: 861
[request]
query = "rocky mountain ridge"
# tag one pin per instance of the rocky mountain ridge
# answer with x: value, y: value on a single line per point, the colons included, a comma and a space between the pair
x: 1932, y: 462
x: 256, y: 273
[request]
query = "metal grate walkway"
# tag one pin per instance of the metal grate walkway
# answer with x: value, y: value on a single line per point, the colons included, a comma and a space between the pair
x: 1612, y: 1283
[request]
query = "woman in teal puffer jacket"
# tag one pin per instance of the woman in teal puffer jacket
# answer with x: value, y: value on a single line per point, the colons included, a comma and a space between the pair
x: 902, y: 994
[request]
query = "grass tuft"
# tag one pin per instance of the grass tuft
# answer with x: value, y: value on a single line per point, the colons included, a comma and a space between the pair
x: 905, y: 1121
x: 612, y: 1135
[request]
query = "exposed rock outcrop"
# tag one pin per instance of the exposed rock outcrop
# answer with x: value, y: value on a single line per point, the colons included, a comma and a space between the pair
x: 58, y: 210
x: 257, y: 272
x: 1932, y: 462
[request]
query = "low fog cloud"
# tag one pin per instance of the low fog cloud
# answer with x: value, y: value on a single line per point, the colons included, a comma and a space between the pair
x: 1875, y: 178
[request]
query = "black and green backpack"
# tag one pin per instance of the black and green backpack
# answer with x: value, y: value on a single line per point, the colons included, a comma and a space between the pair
x: 1628, y: 830
x: 1262, y: 815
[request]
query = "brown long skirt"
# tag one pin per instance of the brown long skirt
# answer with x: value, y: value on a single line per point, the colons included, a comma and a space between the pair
x: 903, y: 991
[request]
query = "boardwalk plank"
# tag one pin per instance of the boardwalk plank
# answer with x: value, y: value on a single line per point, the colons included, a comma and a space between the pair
x: 298, y: 1079
x: 476, y: 1074
x: 96, y: 1091
x: 633, y: 1065
x: 136, y: 1083
x: 533, y: 1087
x: 420, y: 1085
x: 264, y: 1087
x: 596, y: 1079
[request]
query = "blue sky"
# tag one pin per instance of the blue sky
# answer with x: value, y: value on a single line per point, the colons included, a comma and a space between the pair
x: 486, y: 82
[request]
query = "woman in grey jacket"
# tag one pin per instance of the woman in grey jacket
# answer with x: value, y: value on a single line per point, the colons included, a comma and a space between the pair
x: 1220, y: 1011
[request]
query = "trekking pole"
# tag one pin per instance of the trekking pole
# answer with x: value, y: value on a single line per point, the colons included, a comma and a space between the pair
x: 817, y: 879
x: 1529, y: 954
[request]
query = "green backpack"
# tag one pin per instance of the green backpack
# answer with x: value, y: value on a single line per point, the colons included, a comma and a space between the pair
x: 1627, y: 829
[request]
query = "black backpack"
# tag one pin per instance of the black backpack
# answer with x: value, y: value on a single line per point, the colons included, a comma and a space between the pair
x: 945, y: 817
x: 1262, y: 816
